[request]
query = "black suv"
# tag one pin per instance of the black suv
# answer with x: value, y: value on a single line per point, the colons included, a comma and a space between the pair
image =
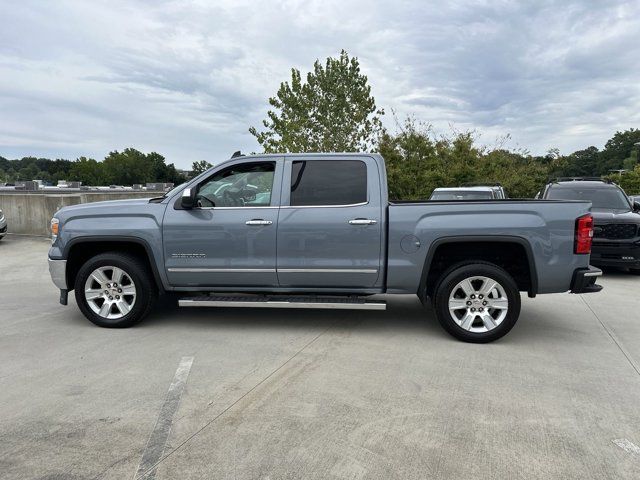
x: 616, y: 233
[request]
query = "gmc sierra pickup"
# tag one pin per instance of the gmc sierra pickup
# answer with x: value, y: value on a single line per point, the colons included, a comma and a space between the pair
x: 317, y: 231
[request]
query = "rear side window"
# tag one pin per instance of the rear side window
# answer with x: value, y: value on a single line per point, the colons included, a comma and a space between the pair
x: 328, y: 182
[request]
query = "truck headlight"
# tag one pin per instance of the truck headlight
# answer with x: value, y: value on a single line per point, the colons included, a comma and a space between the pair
x: 55, y: 229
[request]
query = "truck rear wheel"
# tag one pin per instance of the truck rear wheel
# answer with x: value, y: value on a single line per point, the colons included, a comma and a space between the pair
x: 477, y: 302
x: 114, y: 290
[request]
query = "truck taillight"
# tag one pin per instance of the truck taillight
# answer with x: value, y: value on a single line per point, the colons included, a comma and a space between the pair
x: 584, y: 234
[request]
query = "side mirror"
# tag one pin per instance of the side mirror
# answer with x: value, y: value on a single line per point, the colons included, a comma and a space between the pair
x: 188, y: 198
x: 636, y: 206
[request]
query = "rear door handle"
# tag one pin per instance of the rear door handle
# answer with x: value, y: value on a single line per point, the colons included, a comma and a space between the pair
x: 362, y: 221
x: 258, y: 221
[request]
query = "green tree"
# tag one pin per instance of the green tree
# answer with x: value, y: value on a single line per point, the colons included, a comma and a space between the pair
x: 522, y: 176
x: 630, y: 162
x: 581, y: 163
x: 88, y: 171
x: 126, y: 168
x: 333, y: 111
x: 413, y: 166
x: 417, y: 162
x: 629, y: 181
x: 618, y: 148
x: 199, y: 167
x: 28, y: 172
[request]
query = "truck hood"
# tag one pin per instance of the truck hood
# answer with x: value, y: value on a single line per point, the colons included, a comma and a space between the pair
x: 114, y: 207
x: 128, y: 201
x: 615, y: 216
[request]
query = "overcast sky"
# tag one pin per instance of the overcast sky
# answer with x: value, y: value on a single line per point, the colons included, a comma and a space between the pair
x: 187, y: 78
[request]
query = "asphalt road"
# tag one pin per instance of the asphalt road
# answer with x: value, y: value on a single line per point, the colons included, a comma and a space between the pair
x: 310, y: 394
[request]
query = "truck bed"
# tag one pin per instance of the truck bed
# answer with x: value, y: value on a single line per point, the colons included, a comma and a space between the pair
x: 545, y: 228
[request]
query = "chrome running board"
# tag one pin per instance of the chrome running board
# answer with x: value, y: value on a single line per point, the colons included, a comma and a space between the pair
x: 282, y: 301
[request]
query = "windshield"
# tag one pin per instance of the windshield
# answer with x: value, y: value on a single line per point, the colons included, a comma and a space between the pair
x: 610, y: 198
x: 461, y: 195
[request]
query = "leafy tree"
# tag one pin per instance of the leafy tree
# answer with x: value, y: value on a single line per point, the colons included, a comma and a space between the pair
x: 620, y: 147
x: 132, y: 166
x: 417, y: 162
x: 522, y: 176
x: 630, y: 162
x: 28, y: 172
x: 629, y: 181
x: 88, y: 171
x: 413, y: 167
x: 199, y: 167
x: 582, y: 163
x: 126, y: 168
x: 333, y: 111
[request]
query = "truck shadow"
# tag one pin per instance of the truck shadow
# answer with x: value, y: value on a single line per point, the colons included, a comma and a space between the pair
x: 617, y: 272
x: 404, y: 315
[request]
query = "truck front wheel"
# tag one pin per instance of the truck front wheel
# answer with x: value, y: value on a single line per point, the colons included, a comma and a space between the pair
x: 114, y: 290
x: 477, y: 302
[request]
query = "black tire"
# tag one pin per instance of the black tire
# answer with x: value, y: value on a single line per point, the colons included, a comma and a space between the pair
x: 452, y: 277
x: 140, y: 276
x: 634, y: 271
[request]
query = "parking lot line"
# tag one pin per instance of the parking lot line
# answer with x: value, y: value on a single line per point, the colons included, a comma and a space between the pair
x: 626, y: 354
x: 158, y: 438
x: 627, y: 446
x: 238, y: 400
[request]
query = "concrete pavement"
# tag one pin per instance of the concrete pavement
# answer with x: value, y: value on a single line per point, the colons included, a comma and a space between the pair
x: 314, y: 394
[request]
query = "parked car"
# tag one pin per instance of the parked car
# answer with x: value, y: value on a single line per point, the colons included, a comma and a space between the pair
x: 498, y: 189
x: 475, y: 192
x: 616, y: 233
x: 323, y: 235
x: 3, y: 225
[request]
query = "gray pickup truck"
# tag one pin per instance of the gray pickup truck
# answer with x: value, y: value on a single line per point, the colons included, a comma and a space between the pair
x: 318, y: 231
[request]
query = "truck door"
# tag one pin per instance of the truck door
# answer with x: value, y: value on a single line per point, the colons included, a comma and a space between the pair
x: 229, y: 238
x: 329, y: 228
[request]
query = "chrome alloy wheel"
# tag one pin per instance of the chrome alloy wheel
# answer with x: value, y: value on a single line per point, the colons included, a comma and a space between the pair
x: 110, y: 292
x: 478, y: 304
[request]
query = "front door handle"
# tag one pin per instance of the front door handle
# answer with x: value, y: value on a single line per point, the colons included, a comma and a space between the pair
x: 362, y: 221
x: 258, y: 221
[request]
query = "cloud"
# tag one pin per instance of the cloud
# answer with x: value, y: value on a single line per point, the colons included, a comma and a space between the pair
x: 187, y: 78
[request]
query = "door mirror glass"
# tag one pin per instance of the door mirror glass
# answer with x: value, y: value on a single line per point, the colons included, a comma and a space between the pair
x: 188, y: 199
x: 636, y: 206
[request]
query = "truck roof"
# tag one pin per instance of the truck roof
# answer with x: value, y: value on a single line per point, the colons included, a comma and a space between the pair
x: 308, y: 154
x: 458, y: 189
x: 583, y: 184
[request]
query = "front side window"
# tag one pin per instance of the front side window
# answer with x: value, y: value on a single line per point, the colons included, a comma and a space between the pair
x: 242, y: 185
x: 328, y: 182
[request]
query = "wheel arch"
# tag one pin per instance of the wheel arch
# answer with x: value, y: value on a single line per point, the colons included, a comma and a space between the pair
x: 490, y: 244
x: 78, y: 250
